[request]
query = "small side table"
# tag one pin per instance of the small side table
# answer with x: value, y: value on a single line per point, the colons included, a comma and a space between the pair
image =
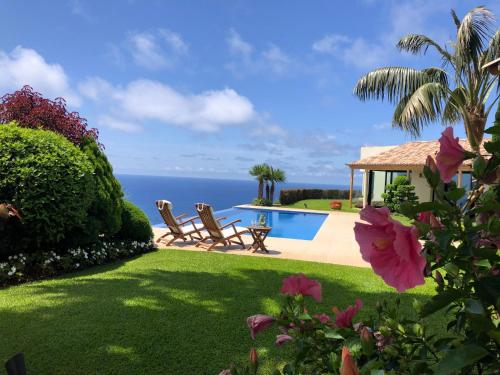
x: 259, y: 234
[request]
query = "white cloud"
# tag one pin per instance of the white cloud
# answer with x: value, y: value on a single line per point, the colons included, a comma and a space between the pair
x: 237, y: 45
x: 277, y: 60
x: 330, y: 43
x: 404, y: 18
x: 175, y: 41
x: 115, y: 123
x: 155, y: 50
x: 245, y: 60
x: 382, y: 125
x: 147, y: 100
x: 95, y: 88
x: 24, y: 66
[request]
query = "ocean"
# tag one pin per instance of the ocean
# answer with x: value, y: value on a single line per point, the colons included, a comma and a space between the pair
x: 185, y: 192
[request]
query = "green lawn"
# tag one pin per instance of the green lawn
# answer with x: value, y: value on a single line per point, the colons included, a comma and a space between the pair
x: 166, y: 312
x: 322, y: 204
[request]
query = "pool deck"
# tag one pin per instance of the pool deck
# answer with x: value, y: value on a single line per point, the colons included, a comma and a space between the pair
x: 334, y: 242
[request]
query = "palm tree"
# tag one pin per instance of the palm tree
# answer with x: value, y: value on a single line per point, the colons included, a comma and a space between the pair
x: 275, y: 175
x: 260, y: 171
x: 457, y: 91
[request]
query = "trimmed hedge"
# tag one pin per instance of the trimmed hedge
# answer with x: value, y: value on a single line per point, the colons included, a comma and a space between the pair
x: 104, y: 218
x: 135, y: 224
x: 290, y: 196
x: 49, y: 180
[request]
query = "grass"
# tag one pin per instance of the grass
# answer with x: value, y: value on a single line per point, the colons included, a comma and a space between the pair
x: 168, y: 312
x: 322, y: 204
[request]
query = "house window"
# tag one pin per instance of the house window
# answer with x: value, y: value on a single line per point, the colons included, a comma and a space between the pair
x: 377, y: 182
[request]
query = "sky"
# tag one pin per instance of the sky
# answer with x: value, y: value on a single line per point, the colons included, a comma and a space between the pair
x: 209, y: 88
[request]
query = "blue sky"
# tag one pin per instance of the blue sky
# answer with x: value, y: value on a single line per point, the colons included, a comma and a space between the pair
x: 208, y: 88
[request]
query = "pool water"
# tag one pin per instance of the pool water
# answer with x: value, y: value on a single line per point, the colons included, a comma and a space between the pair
x: 285, y: 224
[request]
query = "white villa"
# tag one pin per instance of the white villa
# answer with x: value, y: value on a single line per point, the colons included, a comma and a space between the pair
x: 380, y: 165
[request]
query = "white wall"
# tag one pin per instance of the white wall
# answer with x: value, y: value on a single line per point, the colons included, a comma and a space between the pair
x: 422, y: 188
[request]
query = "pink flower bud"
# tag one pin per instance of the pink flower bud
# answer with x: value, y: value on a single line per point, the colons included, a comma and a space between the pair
x: 253, y: 357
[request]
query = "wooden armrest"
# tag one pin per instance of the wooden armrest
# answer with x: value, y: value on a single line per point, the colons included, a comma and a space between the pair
x: 190, y: 220
x: 180, y: 216
x: 230, y: 223
x: 220, y: 218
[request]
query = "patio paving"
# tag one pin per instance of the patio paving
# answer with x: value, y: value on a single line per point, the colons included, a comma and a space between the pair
x: 334, y: 242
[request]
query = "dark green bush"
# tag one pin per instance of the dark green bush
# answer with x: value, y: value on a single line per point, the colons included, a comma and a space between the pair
x: 135, y: 224
x: 290, y: 196
x: 401, y: 190
x: 262, y: 202
x: 49, y: 180
x: 105, y: 212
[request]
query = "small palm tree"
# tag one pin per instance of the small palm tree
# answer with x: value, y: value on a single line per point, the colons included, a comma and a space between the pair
x: 458, y: 91
x: 260, y: 172
x: 275, y: 176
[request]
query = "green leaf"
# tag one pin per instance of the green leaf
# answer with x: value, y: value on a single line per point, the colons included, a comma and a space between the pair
x: 473, y: 306
x: 455, y: 194
x: 493, y: 130
x: 483, y: 263
x: 492, y: 147
x: 458, y: 358
x: 440, y: 301
x: 332, y: 334
x: 304, y: 317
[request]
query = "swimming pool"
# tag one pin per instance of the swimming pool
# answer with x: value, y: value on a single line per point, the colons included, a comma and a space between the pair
x: 285, y: 224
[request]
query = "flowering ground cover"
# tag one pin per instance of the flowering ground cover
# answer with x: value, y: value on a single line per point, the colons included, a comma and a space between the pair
x: 170, y: 312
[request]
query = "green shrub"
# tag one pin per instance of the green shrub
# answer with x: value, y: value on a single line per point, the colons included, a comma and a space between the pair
x: 401, y: 190
x: 49, y: 180
x: 105, y: 212
x: 135, y: 224
x: 262, y: 202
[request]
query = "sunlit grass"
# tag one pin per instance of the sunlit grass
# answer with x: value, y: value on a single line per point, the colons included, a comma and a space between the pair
x: 167, y: 312
x: 322, y: 204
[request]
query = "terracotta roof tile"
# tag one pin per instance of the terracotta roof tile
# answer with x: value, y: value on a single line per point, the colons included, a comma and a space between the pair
x: 411, y: 154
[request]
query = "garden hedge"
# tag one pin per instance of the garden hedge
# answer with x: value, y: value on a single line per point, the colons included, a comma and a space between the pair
x: 290, y: 196
x: 104, y: 217
x: 135, y: 224
x: 49, y: 180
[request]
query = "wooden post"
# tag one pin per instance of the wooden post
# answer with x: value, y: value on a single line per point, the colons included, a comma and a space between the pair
x: 459, y: 179
x: 350, y: 188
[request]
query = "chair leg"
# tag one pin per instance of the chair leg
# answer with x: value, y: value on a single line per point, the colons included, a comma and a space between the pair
x: 213, y: 245
x: 171, y: 241
x: 202, y: 242
x: 162, y: 237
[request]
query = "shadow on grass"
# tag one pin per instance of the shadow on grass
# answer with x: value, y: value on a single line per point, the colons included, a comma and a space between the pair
x: 184, y: 320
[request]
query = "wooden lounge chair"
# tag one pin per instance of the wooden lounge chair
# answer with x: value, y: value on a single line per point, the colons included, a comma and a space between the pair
x: 219, y: 234
x: 187, y: 228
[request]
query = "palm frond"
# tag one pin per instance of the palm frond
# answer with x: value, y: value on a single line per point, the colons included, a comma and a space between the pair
x: 456, y: 100
x: 472, y: 33
x: 455, y: 18
x: 417, y: 43
x: 421, y: 108
x: 395, y: 83
x: 493, y: 50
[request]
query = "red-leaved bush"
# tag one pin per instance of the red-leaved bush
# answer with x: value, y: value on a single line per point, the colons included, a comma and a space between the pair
x: 31, y: 110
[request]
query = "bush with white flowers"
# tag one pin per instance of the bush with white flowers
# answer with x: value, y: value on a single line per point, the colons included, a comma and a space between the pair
x: 21, y: 267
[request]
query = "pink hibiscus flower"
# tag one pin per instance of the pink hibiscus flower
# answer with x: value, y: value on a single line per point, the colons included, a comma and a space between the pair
x: 323, y: 318
x: 300, y: 284
x: 348, y: 366
x: 258, y: 323
x: 281, y: 339
x: 450, y: 155
x: 392, y: 249
x: 343, y: 318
